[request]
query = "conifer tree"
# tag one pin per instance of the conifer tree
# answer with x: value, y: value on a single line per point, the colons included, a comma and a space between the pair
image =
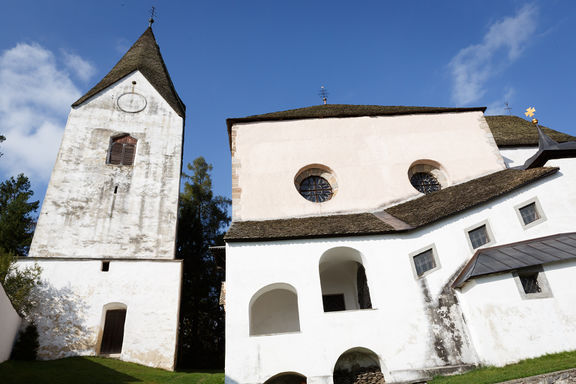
x: 202, y: 220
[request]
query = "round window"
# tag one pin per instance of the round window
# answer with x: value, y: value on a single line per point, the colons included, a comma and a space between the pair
x: 425, y: 182
x: 316, y: 189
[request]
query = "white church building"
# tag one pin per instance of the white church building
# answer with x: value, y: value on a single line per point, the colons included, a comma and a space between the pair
x: 105, y: 237
x: 374, y: 244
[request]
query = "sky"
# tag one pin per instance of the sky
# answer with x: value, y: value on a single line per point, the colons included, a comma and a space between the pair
x: 232, y: 58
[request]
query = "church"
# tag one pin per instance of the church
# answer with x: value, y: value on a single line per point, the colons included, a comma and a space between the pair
x: 369, y: 244
x: 374, y: 244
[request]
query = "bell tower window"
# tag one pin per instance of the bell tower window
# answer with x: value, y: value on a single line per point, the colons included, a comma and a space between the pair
x: 122, y: 150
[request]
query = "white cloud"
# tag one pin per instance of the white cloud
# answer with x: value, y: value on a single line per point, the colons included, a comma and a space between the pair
x: 35, y: 98
x: 504, y: 42
x: 83, y: 69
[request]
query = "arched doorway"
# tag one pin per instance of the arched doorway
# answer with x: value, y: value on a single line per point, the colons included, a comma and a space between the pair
x: 358, y: 366
x: 274, y: 309
x: 287, y: 378
x: 343, y: 280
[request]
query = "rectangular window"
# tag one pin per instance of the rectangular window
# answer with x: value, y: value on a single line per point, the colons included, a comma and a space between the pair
x: 423, y: 262
x: 105, y: 266
x: 530, y: 282
x: 333, y: 303
x: 479, y: 236
x: 529, y: 213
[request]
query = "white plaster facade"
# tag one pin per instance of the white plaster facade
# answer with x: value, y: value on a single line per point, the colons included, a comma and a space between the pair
x: 414, y: 327
x: 369, y: 156
x: 76, y: 294
x: 9, y: 325
x: 105, y: 237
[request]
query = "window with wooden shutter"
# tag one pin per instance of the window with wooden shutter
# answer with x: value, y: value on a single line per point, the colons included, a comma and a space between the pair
x: 122, y: 150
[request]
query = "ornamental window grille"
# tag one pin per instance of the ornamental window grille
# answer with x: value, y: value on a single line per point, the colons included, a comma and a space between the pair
x: 425, y: 182
x: 530, y: 283
x: 122, y: 150
x: 316, y: 189
x: 424, y: 262
x: 479, y: 236
x: 529, y: 213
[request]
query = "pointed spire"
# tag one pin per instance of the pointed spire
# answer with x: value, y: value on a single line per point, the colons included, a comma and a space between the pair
x: 145, y: 57
x: 545, y: 141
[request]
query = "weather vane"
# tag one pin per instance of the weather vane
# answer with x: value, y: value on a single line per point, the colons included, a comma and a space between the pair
x: 508, y: 108
x: 152, y: 16
x: 323, y: 94
x: 530, y: 113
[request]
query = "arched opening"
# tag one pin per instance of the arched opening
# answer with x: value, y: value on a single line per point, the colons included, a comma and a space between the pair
x: 113, y: 328
x: 287, y: 378
x: 343, y: 280
x: 427, y: 176
x: 274, y: 309
x: 358, y: 366
x: 122, y: 150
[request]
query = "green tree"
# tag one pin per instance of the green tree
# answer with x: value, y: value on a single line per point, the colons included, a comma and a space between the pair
x: 16, y: 220
x: 16, y: 230
x: 202, y: 220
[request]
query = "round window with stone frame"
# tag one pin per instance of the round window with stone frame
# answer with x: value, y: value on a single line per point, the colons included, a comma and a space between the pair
x: 426, y: 176
x: 316, y: 184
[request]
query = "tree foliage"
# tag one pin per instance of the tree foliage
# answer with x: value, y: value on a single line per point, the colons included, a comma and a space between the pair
x: 16, y: 220
x: 202, y: 219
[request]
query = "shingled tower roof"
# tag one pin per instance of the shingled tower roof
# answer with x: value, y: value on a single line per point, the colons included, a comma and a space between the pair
x: 143, y: 56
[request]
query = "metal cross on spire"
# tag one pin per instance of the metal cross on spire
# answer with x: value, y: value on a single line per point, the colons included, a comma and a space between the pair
x: 152, y: 16
x: 508, y: 108
x: 323, y: 94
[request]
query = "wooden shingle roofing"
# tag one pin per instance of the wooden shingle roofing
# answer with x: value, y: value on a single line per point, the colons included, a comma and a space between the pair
x: 403, y: 217
x: 507, y: 130
x: 143, y: 56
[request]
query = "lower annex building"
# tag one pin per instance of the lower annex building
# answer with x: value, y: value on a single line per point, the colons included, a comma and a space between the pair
x: 389, y: 244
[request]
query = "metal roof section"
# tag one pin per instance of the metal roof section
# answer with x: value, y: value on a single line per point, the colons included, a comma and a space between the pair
x: 549, y: 149
x: 522, y: 254
x: 143, y: 56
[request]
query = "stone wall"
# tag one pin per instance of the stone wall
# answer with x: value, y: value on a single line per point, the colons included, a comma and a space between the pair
x: 561, y: 377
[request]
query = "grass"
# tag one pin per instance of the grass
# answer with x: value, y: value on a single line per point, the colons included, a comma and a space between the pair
x: 525, y: 368
x: 97, y: 370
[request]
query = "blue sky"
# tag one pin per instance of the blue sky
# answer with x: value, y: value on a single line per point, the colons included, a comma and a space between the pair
x: 238, y: 58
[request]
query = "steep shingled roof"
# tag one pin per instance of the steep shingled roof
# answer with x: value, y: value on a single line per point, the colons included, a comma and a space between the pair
x: 145, y: 57
x: 515, y: 131
x: 413, y: 214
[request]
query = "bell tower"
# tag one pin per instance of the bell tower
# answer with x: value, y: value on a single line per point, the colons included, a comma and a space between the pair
x: 105, y: 237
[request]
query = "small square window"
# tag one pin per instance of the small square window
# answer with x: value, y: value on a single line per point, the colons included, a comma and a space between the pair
x: 105, y: 266
x: 529, y: 213
x: 479, y: 236
x: 423, y: 262
x: 333, y: 303
x: 532, y: 283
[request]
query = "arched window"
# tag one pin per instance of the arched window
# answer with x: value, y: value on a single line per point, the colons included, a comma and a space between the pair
x: 358, y: 365
x: 343, y: 280
x: 274, y: 309
x: 113, y: 328
x: 122, y: 150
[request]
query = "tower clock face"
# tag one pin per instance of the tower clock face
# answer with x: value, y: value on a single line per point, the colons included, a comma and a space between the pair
x: 131, y: 102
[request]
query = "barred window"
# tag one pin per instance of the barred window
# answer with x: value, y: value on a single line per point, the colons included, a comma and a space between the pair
x: 423, y: 262
x: 122, y: 150
x: 316, y: 189
x: 529, y: 213
x: 479, y: 236
x: 425, y: 182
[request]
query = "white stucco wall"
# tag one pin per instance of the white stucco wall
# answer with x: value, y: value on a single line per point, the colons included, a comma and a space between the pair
x: 70, y: 317
x: 516, y: 156
x: 405, y: 328
x: 369, y: 156
x: 9, y: 325
x: 81, y: 205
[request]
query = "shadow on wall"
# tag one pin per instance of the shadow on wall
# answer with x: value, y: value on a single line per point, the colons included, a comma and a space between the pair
x: 59, y: 316
x: 72, y: 370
